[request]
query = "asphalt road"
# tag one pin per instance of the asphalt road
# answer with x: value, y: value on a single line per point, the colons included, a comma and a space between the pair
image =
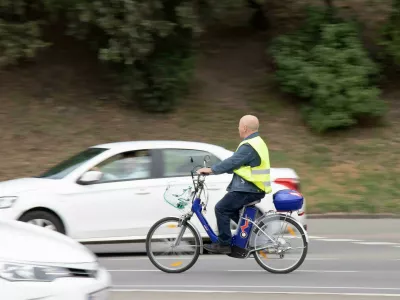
x: 347, y: 259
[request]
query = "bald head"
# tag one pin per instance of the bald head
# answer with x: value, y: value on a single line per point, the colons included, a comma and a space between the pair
x: 248, y: 124
x: 251, y: 122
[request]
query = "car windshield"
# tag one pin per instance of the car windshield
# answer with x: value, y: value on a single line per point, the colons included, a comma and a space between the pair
x: 67, y: 166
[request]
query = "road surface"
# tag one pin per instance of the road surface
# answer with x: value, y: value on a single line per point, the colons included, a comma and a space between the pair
x: 347, y: 259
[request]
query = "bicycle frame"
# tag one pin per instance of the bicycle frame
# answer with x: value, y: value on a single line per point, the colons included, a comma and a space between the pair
x: 242, y: 236
x: 197, y: 209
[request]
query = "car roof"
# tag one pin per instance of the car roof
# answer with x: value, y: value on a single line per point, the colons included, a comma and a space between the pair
x: 151, y: 144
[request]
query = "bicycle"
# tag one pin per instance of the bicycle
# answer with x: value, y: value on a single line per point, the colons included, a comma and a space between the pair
x: 244, y: 241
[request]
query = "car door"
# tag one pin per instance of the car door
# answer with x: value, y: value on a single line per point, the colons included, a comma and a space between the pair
x: 175, y: 171
x: 111, y: 207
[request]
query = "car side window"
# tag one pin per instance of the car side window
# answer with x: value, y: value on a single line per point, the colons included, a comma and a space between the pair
x: 177, y: 161
x: 130, y: 165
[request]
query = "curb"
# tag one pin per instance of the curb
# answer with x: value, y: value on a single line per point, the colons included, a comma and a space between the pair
x: 352, y: 216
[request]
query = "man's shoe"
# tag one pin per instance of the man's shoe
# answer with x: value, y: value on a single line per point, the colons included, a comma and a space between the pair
x: 218, y: 248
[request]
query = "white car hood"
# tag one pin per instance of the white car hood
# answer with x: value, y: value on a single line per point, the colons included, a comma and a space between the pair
x: 24, y: 242
x: 16, y: 186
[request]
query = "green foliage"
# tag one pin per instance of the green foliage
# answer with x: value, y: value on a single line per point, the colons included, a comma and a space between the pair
x: 391, y: 34
x: 149, y: 43
x: 128, y: 27
x: 325, y: 63
x: 19, y: 41
x: 162, y: 79
x: 133, y: 36
x: 20, y: 38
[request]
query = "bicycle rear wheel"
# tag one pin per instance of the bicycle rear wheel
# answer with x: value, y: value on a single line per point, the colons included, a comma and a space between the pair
x: 285, y: 232
x: 181, y: 249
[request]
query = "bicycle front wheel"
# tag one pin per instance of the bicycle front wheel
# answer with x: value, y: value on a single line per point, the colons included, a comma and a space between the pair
x: 282, y: 243
x: 172, y: 247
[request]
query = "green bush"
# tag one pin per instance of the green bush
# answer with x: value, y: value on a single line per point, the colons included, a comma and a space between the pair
x: 325, y: 64
x: 160, y: 81
x: 132, y: 37
x: 20, y: 37
x: 391, y: 34
x: 150, y: 44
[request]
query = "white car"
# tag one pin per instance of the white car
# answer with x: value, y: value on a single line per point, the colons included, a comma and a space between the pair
x: 115, y: 192
x: 40, y: 264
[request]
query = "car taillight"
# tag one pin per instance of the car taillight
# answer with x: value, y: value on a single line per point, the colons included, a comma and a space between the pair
x: 290, y: 183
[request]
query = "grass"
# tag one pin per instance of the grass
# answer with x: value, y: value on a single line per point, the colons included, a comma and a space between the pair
x: 57, y: 107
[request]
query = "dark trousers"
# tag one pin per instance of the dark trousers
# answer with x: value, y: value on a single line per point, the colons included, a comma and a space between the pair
x: 229, y: 208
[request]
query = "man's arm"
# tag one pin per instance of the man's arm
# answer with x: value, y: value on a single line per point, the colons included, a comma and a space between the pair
x: 242, y: 156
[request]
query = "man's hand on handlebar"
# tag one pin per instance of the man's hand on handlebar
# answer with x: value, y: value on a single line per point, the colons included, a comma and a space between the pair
x: 204, y: 171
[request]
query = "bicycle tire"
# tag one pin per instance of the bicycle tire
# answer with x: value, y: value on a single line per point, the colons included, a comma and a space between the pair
x: 302, y: 258
x: 148, y: 242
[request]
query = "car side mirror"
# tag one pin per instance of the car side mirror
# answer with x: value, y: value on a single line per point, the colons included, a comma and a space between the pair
x: 90, y: 177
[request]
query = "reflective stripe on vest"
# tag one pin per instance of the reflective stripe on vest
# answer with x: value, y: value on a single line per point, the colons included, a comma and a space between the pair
x: 260, y: 172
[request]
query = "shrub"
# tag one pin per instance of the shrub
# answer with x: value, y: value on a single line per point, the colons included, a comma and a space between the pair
x: 391, y: 34
x: 325, y: 64
x: 148, y: 43
x: 20, y: 37
x: 160, y: 81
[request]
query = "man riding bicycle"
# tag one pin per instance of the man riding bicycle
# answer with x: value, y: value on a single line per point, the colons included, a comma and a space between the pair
x: 250, y: 182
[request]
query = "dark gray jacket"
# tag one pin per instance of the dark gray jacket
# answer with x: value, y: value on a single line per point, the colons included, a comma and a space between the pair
x: 244, y: 156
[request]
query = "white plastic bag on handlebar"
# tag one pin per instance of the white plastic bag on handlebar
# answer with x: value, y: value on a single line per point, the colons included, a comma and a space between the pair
x: 178, y: 198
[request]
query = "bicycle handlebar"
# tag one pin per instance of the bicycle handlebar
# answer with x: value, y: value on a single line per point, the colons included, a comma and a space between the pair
x: 200, y: 176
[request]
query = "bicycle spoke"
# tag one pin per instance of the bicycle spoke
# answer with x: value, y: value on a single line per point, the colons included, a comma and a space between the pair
x: 284, y: 247
x: 182, y: 243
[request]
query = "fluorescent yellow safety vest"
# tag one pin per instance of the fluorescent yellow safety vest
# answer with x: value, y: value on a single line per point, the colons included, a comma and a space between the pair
x: 260, y: 175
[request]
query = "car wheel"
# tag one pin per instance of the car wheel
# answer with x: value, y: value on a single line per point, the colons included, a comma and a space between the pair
x: 44, y: 219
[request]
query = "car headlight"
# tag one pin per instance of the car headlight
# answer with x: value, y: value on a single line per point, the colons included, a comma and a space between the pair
x: 24, y: 272
x: 7, y: 201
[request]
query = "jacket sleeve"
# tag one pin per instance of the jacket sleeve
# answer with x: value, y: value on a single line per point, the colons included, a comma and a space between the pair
x: 241, y: 157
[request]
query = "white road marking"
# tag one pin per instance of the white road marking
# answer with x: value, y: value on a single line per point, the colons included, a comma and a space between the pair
x: 134, y: 270
x: 253, y: 292
x: 145, y: 257
x: 216, y: 257
x: 262, y: 286
x: 263, y: 271
x: 221, y: 258
x: 377, y: 243
x: 339, y: 240
x: 306, y: 271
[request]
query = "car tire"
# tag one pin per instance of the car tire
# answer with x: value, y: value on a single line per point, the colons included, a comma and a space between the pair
x: 44, y: 219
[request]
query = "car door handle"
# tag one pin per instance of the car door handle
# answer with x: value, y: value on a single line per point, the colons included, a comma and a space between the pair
x: 142, y: 192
